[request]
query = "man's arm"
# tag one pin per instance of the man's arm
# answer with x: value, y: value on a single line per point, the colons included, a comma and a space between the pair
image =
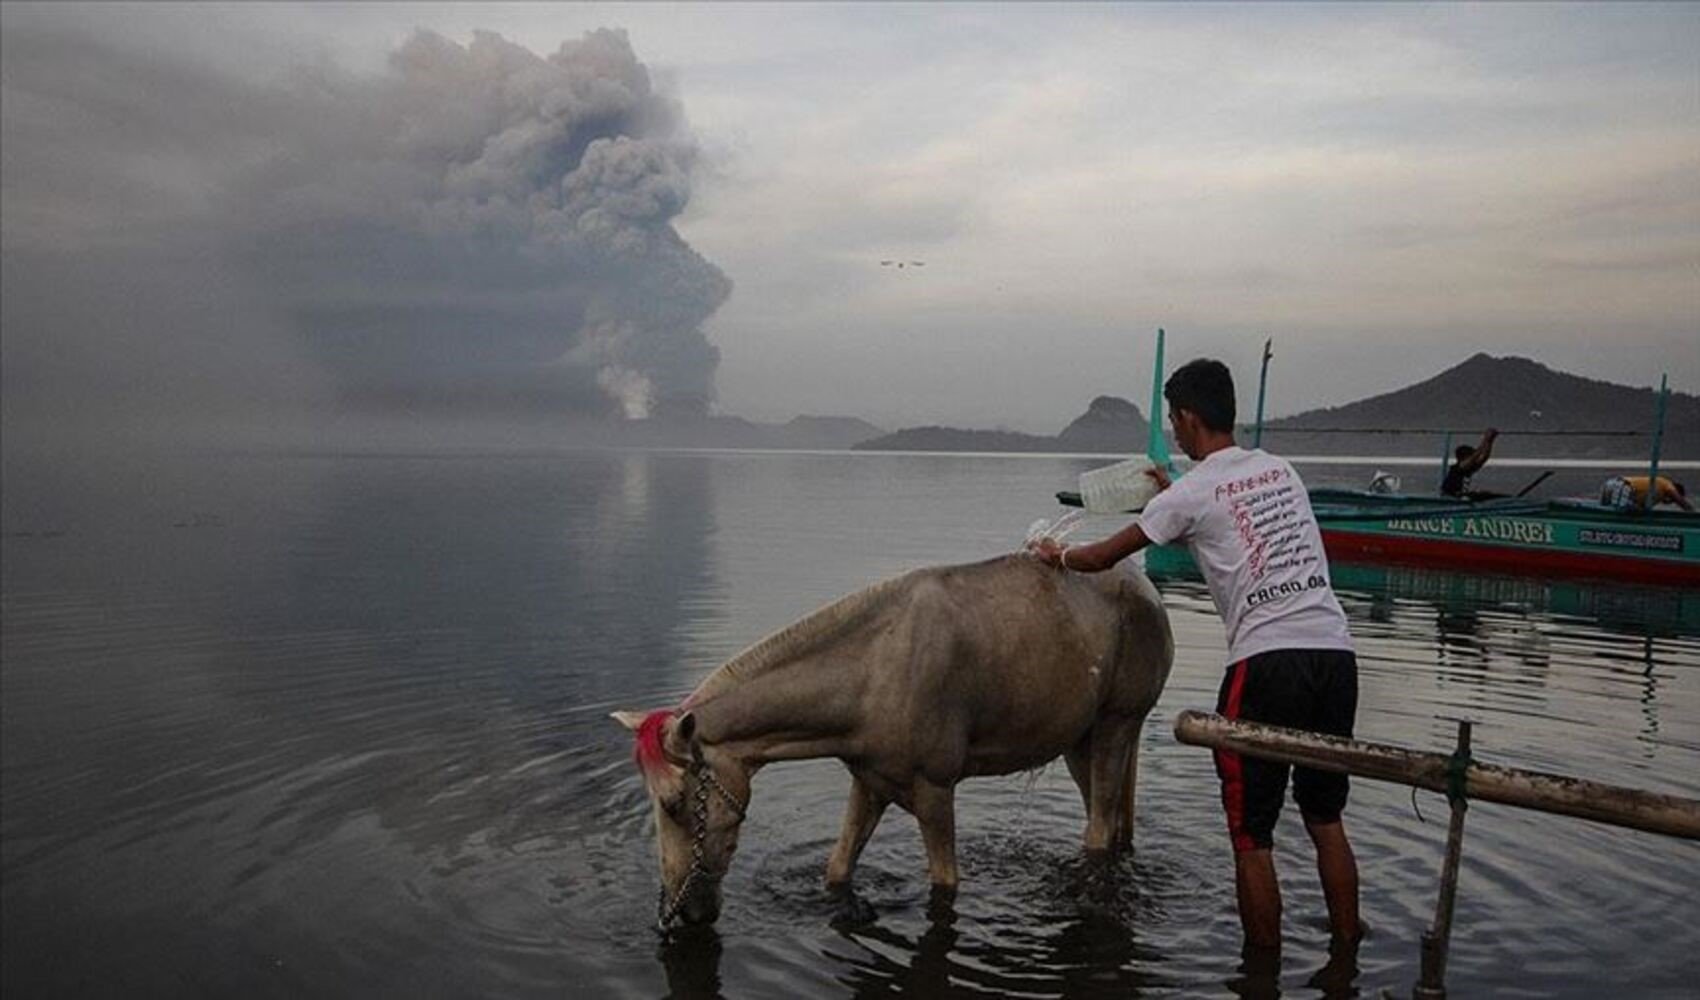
x: 1103, y: 554
x: 1099, y: 555
x: 1483, y: 452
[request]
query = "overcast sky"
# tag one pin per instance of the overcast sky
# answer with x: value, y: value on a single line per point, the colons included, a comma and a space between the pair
x: 253, y: 206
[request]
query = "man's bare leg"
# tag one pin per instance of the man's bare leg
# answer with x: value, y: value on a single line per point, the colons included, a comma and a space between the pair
x: 1337, y: 866
x: 1259, y: 897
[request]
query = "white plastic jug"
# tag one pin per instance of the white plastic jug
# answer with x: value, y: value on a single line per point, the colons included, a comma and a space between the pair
x: 1122, y: 487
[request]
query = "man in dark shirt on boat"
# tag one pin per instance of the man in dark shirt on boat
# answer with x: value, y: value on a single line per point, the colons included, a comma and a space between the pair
x: 1468, y: 462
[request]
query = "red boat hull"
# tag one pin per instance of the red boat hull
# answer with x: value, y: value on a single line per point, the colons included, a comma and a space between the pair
x: 1353, y: 546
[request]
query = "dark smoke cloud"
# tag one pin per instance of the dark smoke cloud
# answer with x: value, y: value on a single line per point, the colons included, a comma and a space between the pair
x: 478, y: 230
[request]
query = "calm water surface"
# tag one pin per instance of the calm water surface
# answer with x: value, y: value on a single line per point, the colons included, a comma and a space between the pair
x: 337, y: 726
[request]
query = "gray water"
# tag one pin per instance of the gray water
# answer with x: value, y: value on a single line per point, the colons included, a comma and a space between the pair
x: 287, y: 725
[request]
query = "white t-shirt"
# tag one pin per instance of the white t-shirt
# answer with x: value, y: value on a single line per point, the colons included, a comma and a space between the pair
x: 1247, y: 520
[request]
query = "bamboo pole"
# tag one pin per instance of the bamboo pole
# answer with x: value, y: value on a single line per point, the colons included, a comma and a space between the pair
x: 1553, y: 793
x: 1437, y: 940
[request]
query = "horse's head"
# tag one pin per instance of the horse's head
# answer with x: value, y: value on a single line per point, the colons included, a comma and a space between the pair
x: 699, y: 804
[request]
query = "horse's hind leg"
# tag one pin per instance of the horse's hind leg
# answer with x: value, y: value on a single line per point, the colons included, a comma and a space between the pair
x: 1112, y: 740
x: 860, y: 817
x: 935, y: 809
x: 1079, y: 760
x: 1123, y: 840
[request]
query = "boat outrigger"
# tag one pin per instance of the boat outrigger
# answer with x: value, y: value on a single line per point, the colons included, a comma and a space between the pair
x: 1558, y: 538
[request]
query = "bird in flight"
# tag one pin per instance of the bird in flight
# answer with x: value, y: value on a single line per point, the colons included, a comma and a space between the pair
x: 901, y: 264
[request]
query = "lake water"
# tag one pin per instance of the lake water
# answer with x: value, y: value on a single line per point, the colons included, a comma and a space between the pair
x: 318, y: 725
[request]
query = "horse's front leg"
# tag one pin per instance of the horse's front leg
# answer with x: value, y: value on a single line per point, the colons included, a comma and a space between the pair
x: 935, y: 809
x: 860, y: 817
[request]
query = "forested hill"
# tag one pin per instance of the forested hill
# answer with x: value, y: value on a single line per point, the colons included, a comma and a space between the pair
x: 1511, y: 393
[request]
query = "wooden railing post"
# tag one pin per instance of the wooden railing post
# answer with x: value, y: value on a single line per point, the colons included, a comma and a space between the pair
x: 1431, y: 985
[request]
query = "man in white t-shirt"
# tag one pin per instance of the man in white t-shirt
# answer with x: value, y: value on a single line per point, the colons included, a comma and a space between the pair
x: 1247, y: 520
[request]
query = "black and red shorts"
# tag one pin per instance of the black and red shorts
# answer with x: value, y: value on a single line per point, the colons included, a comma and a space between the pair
x: 1313, y: 689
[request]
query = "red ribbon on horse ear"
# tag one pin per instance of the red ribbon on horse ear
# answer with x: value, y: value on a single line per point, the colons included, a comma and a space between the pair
x: 650, y: 753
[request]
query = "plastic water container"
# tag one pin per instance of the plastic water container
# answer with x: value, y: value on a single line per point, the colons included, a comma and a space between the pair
x: 1118, y: 488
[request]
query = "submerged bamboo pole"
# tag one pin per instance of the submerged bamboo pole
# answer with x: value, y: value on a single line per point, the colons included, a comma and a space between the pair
x: 1553, y: 793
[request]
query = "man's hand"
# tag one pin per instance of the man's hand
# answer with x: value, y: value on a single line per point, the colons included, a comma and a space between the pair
x: 1049, y: 551
x: 1160, y: 476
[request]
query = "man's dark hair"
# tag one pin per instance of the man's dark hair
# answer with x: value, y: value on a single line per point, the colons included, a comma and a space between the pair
x: 1462, y: 452
x: 1206, y: 388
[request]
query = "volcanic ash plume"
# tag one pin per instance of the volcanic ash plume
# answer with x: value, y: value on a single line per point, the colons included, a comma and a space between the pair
x: 474, y: 231
x: 495, y: 229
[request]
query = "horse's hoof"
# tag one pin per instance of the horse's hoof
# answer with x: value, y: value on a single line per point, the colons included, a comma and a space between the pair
x: 941, y: 904
x: 852, y: 911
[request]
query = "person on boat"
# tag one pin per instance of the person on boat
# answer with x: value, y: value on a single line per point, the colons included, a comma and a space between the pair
x: 1246, y: 517
x: 1630, y: 493
x: 1468, y: 461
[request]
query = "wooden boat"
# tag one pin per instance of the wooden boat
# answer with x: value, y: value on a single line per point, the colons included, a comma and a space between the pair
x: 1555, y: 538
x: 1559, y: 538
x: 1630, y: 608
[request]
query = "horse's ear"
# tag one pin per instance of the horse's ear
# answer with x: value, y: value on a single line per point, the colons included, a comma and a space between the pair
x: 631, y: 720
x: 682, y: 742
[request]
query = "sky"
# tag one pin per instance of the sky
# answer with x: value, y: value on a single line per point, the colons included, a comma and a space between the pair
x: 253, y: 211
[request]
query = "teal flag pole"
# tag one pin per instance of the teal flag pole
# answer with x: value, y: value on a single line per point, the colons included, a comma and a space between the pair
x: 1262, y: 384
x: 1157, y: 449
x: 1652, y: 497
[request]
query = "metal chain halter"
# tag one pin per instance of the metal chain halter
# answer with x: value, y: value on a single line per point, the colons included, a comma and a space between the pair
x: 667, y: 912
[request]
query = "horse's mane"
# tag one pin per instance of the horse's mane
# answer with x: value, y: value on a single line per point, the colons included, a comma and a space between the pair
x: 783, y: 646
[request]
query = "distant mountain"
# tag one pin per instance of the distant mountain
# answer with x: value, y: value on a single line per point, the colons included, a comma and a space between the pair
x: 805, y: 432
x: 1110, y: 425
x: 1516, y: 395
x: 827, y: 432
x: 935, y: 438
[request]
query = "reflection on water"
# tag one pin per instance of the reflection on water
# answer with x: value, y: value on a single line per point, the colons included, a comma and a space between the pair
x: 332, y: 726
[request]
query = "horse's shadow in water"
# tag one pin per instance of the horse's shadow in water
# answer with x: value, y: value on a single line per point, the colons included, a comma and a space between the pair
x: 1083, y: 943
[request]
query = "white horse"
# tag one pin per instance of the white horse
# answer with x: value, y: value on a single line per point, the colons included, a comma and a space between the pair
x: 914, y: 683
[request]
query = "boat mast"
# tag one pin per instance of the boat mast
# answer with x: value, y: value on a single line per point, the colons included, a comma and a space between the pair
x: 1157, y: 448
x: 1648, y: 501
x: 1262, y: 384
x: 1445, y: 461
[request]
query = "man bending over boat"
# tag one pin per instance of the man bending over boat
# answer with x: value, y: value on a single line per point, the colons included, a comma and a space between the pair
x: 1468, y: 461
x: 1247, y: 520
x: 1630, y: 493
